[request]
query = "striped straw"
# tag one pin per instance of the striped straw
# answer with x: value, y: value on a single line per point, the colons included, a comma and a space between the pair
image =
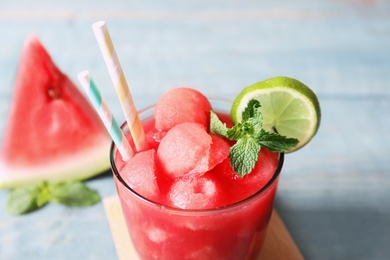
x: 118, y: 79
x: 105, y: 114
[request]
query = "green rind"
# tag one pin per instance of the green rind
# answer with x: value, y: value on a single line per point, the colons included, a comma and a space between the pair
x: 296, y: 87
x: 79, y: 166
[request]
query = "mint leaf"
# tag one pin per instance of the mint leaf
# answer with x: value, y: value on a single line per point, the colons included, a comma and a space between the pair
x: 73, y: 194
x: 23, y: 200
x: 252, y: 119
x: 244, y: 154
x: 251, y: 110
x: 43, y: 195
x: 256, y: 123
x: 250, y: 137
x: 238, y: 131
x: 276, y: 142
x: 216, y: 125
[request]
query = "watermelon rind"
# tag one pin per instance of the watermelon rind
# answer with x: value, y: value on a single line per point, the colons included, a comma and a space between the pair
x: 81, y: 165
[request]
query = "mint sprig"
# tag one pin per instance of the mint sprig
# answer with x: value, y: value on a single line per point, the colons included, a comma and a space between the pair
x: 250, y: 137
x: 26, y: 199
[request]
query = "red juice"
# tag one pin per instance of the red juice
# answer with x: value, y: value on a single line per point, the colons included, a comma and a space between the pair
x: 159, y: 230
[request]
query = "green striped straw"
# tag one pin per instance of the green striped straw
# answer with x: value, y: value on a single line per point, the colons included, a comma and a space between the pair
x: 105, y: 115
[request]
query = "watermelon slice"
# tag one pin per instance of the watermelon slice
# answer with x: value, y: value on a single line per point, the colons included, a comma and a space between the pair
x: 52, y: 133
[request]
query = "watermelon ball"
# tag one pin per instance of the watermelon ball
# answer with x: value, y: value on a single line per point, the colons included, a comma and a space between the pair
x: 185, y: 150
x: 182, y: 105
x: 140, y: 174
x: 199, y: 192
x: 243, y: 187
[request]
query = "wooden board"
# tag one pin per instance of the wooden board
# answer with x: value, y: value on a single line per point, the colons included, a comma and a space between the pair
x: 278, y: 244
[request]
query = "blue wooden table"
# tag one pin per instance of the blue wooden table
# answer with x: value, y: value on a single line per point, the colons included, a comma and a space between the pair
x: 334, y: 194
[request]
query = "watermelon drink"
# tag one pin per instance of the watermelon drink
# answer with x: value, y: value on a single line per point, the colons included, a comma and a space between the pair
x: 182, y: 199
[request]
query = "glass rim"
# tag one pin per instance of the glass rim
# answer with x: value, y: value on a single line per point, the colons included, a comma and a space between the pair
x: 195, y: 211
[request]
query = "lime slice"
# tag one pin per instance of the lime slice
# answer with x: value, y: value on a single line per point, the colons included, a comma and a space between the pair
x: 288, y: 106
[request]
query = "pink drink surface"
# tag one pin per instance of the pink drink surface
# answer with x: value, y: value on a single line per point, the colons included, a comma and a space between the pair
x: 199, y: 216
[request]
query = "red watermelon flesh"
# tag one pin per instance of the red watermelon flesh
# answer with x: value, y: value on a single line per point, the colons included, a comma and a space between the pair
x: 182, y: 105
x: 52, y: 133
x: 219, y: 151
x: 246, y: 186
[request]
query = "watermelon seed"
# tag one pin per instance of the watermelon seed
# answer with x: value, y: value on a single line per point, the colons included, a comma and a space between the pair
x: 53, y: 93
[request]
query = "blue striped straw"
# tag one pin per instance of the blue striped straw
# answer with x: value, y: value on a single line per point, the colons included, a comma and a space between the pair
x: 105, y: 115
